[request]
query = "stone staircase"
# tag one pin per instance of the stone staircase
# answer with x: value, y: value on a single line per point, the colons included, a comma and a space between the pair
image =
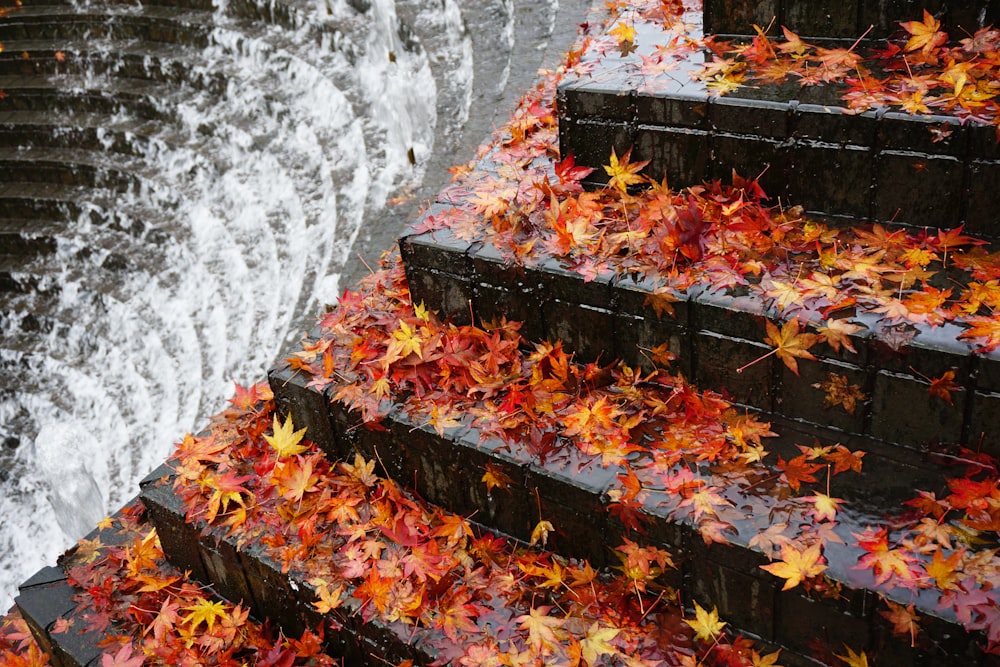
x: 697, y: 439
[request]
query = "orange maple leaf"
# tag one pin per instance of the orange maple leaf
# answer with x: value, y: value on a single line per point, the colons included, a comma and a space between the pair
x: 925, y: 35
x: 789, y: 343
x: 942, y: 387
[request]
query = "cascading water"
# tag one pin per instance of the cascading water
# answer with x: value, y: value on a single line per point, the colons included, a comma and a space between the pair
x: 221, y: 219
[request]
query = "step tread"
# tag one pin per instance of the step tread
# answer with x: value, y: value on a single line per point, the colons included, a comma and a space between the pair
x: 925, y: 170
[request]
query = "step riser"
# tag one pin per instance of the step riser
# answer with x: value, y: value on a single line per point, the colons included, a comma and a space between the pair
x: 124, y: 66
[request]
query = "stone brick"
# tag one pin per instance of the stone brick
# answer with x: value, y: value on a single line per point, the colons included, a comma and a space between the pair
x: 743, y: 600
x: 980, y: 199
x: 307, y: 407
x: 681, y: 155
x: 903, y: 411
x: 446, y: 294
x: 45, y: 598
x: 821, y: 19
x: 717, y: 359
x: 984, y: 423
x: 811, y: 186
x: 165, y: 510
x: 587, y: 331
x: 801, y: 622
x: 798, y: 398
x: 918, y: 189
x: 738, y: 17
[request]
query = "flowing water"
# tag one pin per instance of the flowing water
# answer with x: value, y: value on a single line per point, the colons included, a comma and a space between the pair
x: 254, y: 197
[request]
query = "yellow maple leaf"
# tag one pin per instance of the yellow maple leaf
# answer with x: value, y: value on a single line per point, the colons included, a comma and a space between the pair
x: 205, y: 611
x: 595, y: 643
x: 706, y: 625
x: 853, y: 659
x: 796, y: 565
x: 624, y: 173
x: 285, y: 440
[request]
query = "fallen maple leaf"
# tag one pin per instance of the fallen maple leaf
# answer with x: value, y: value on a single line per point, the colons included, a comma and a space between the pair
x: 285, y: 440
x: 853, y: 659
x: 789, y: 344
x: 706, y: 625
x: 903, y: 619
x: 123, y: 658
x: 623, y: 172
x: 797, y: 565
x: 941, y: 387
x: 925, y: 35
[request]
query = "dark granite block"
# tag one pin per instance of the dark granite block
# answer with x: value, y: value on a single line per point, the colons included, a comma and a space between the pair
x: 744, y: 600
x: 762, y: 159
x: 932, y: 135
x: 748, y: 117
x: 830, y: 124
x: 981, y: 216
x: 518, y: 304
x: 682, y: 105
x: 918, y: 189
x: 165, y: 511
x: 439, y: 249
x: 822, y: 19
x: 587, y: 331
x: 717, y: 360
x: 636, y: 337
x: 45, y: 598
x: 799, y: 398
x: 831, y: 178
x: 984, y: 423
x: 225, y: 569
x: 738, y: 16
x: 803, y: 622
x: 448, y: 295
x: 591, y: 143
x: 601, y: 100
x: 681, y: 155
x: 903, y: 411
x: 728, y: 315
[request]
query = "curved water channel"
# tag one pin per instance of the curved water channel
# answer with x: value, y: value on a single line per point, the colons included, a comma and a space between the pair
x: 238, y: 213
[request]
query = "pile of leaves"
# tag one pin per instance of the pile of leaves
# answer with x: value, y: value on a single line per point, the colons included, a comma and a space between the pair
x: 17, y: 647
x: 723, y: 238
x: 365, y: 549
x: 149, y: 613
x: 928, y: 74
x: 926, y: 71
x: 679, y: 454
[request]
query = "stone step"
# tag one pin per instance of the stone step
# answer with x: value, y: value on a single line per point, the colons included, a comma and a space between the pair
x: 714, y: 335
x: 149, y: 24
x: 549, y: 474
x: 83, y: 131
x: 27, y: 238
x: 142, y: 99
x: 845, y: 20
x: 127, y: 59
x: 925, y: 170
